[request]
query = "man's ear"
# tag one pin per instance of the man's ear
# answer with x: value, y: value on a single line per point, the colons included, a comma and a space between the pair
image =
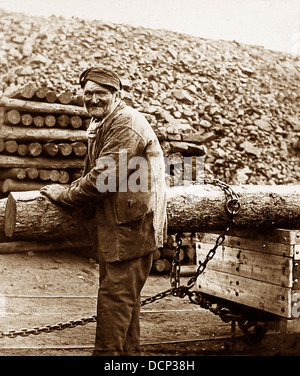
x: 118, y: 94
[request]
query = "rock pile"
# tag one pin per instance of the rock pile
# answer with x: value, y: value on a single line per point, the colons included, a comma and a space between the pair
x: 240, y: 101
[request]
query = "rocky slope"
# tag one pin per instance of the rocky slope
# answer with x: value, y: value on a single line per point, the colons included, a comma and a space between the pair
x: 240, y: 101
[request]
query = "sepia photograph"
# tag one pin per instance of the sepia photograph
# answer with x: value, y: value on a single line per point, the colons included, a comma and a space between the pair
x: 150, y: 181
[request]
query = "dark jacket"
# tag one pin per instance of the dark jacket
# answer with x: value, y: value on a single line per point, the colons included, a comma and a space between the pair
x: 124, y: 179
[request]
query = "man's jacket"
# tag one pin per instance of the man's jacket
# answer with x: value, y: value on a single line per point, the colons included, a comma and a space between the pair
x: 124, y: 179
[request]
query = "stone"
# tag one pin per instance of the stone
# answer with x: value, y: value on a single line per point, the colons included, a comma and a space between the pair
x: 183, y: 96
x: 263, y: 125
x: 251, y: 149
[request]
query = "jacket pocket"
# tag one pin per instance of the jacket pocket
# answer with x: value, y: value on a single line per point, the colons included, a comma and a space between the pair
x: 131, y: 207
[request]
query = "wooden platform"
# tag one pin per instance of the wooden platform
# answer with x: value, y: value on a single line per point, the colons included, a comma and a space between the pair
x: 257, y: 269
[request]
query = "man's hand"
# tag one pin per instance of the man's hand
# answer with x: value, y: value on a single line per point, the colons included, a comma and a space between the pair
x: 52, y: 191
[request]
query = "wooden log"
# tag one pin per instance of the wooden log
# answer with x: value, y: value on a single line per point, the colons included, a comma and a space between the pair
x: 188, y: 270
x: 50, y: 149
x: 64, y: 177
x: 162, y: 265
x: 156, y: 254
x: 44, y: 174
x: 65, y: 97
x: 86, y: 123
x: 51, y: 96
x: 190, y: 209
x: 28, y: 91
x: 42, y: 107
x: 12, y: 117
x: 22, y: 150
x: 41, y: 211
x: 38, y: 121
x: 32, y: 173
x: 78, y: 100
x: 76, y: 121
x: 11, y: 185
x: 50, y: 121
x: 39, y: 162
x: 10, y: 146
x: 63, y: 121
x: 35, y: 149
x: 202, y: 206
x: 170, y: 241
x: 40, y: 93
x: 37, y: 246
x: 55, y: 175
x: 65, y: 149
x: 47, y: 135
x: 26, y: 119
x: 13, y: 173
x: 79, y: 148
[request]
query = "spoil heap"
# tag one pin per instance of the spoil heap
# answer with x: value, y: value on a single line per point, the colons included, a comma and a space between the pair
x: 240, y: 101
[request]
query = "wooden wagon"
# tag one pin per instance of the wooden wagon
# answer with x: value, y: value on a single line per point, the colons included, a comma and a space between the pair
x: 257, y: 270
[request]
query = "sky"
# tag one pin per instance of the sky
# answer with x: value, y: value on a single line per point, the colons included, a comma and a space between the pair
x: 274, y: 24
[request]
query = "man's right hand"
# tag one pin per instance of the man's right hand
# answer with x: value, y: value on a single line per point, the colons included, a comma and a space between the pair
x: 53, y: 191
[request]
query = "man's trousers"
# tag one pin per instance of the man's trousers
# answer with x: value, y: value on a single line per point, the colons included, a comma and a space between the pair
x: 118, y: 309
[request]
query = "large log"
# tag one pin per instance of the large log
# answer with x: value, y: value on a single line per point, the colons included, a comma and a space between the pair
x: 42, y: 107
x: 40, y: 162
x: 30, y: 215
x: 189, y: 209
x: 13, y: 173
x: 202, y: 206
x: 11, y: 185
x: 42, y: 134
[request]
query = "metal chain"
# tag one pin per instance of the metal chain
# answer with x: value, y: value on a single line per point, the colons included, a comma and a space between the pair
x: 175, y: 271
x: 48, y: 328
x: 232, y: 207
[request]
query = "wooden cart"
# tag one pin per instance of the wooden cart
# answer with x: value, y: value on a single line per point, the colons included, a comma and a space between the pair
x: 258, y: 269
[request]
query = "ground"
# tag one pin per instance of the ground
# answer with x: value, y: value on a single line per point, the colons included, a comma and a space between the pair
x: 38, y: 289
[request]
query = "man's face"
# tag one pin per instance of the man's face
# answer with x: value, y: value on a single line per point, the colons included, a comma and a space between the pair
x: 98, y: 100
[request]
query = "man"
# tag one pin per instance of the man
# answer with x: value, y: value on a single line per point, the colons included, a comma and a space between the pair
x: 123, y: 179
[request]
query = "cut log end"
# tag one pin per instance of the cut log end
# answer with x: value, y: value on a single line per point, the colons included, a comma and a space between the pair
x: 10, y: 216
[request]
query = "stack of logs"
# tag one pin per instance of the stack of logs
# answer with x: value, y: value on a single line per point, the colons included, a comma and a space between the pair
x: 187, y: 254
x: 43, y: 141
x: 42, y: 138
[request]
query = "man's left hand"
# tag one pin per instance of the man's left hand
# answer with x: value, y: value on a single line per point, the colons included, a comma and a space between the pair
x: 53, y: 191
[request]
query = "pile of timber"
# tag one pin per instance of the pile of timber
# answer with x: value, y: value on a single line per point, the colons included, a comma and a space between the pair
x: 163, y: 258
x: 42, y: 138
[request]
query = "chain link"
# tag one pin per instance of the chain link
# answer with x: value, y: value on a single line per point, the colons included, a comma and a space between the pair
x: 232, y: 207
